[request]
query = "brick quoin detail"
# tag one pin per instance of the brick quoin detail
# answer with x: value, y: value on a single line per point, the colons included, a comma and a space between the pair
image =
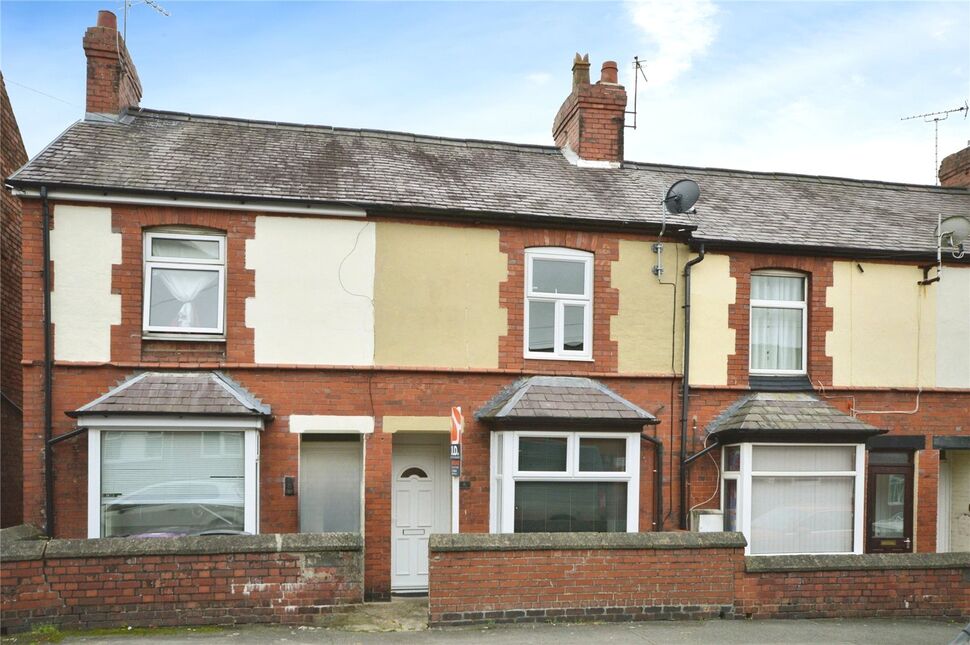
x: 606, y: 300
x: 820, y: 317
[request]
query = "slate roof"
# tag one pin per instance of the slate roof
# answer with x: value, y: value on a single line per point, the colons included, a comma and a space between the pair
x: 182, y: 393
x: 562, y: 398
x: 787, y: 412
x: 155, y: 151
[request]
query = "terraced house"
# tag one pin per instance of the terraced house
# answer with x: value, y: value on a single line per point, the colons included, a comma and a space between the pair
x: 264, y: 327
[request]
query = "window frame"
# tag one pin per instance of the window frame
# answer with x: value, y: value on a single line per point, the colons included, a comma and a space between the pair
x: 505, y: 473
x: 251, y: 450
x: 560, y: 301
x: 745, y: 478
x: 150, y: 261
x: 780, y: 304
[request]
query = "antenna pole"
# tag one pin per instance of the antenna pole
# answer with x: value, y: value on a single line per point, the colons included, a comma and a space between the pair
x: 935, y: 118
x: 637, y: 67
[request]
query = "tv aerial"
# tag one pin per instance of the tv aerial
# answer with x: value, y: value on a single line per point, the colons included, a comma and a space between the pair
x: 952, y: 234
x: 680, y: 200
x: 127, y: 7
x: 935, y: 118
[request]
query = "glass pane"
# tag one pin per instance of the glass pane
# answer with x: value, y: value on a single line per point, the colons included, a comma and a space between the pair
x: 542, y: 316
x: 573, y: 331
x: 803, y: 458
x: 570, y: 506
x: 888, y: 507
x: 195, y: 249
x: 730, y: 505
x: 884, y: 457
x: 170, y: 483
x: 330, y: 486
x: 732, y: 458
x: 559, y: 276
x: 802, y: 514
x: 602, y: 455
x: 776, y: 287
x: 542, y: 454
x: 776, y: 339
x: 184, y: 298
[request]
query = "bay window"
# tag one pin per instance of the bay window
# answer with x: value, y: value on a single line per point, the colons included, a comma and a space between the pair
x: 794, y: 498
x: 565, y: 482
x: 558, y: 303
x: 184, y: 283
x: 158, y: 480
x: 778, y: 323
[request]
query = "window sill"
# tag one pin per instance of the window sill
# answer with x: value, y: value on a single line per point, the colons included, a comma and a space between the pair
x: 553, y: 357
x: 189, y: 338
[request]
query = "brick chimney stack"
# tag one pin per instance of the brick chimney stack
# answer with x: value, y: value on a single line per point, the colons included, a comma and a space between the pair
x: 112, y: 79
x: 955, y: 169
x: 589, y: 125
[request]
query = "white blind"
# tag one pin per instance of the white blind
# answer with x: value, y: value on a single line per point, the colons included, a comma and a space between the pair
x: 801, y: 514
x: 803, y: 458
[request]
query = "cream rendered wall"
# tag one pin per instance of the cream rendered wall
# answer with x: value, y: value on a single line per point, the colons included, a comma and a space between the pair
x: 959, y: 461
x: 642, y: 327
x: 83, y: 309
x: 436, y: 299
x: 314, y: 291
x: 953, y: 328
x: 711, y: 340
x: 882, y: 320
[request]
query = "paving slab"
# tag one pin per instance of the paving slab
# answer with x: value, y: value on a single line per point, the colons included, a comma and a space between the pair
x: 813, y: 632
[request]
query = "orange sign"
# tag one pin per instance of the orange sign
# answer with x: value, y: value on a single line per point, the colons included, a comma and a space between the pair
x: 457, y: 425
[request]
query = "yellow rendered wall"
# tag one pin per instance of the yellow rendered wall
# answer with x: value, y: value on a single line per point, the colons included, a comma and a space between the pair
x: 884, y: 329
x: 953, y: 328
x: 711, y: 340
x: 642, y: 328
x: 959, y: 461
x: 83, y: 309
x: 436, y: 298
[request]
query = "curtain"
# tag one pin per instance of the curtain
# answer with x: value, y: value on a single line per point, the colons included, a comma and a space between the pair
x: 776, y: 287
x: 185, y: 286
x: 802, y: 514
x: 776, y: 339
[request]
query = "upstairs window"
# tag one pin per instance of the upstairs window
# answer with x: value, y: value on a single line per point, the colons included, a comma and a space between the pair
x: 185, y: 283
x: 778, y: 323
x: 559, y: 304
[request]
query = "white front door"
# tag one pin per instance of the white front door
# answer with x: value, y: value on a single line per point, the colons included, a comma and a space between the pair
x: 420, y: 506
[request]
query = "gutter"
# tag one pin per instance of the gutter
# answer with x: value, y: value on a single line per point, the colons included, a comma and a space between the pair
x: 48, y: 371
x: 658, y: 479
x: 685, y: 388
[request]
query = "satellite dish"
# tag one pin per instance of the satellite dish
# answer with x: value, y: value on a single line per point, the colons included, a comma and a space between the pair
x: 682, y: 196
x: 953, y: 231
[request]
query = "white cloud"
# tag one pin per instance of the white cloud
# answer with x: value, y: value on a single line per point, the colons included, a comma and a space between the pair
x: 539, y: 78
x: 678, y: 32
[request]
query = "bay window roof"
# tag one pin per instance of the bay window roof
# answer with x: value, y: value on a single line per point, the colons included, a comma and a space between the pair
x: 178, y: 393
x: 781, y: 416
x: 561, y: 400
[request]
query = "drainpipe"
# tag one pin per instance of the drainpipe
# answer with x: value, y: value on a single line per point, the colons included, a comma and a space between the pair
x: 658, y: 480
x: 685, y: 389
x: 48, y: 371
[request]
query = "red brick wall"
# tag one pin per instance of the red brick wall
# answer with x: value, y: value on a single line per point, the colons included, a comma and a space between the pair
x: 955, y: 169
x: 12, y: 156
x: 159, y: 590
x: 592, y: 584
x: 112, y: 82
x: 897, y: 593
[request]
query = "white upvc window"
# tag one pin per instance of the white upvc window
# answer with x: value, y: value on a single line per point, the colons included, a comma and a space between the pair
x: 185, y: 283
x: 795, y: 498
x: 156, y: 476
x: 565, y: 482
x: 778, y: 323
x: 558, y: 304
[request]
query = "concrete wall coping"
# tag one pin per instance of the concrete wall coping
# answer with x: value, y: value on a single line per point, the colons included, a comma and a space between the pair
x: 865, y: 561
x: 24, y: 545
x: 583, y: 541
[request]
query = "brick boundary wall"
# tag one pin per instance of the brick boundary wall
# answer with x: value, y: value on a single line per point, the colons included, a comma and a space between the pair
x: 205, y: 580
x: 539, y: 577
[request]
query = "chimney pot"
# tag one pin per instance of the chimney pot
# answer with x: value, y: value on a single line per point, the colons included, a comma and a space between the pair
x: 609, y: 73
x: 580, y: 70
x: 107, y: 19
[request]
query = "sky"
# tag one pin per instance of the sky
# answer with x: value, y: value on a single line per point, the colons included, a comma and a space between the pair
x: 803, y: 87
